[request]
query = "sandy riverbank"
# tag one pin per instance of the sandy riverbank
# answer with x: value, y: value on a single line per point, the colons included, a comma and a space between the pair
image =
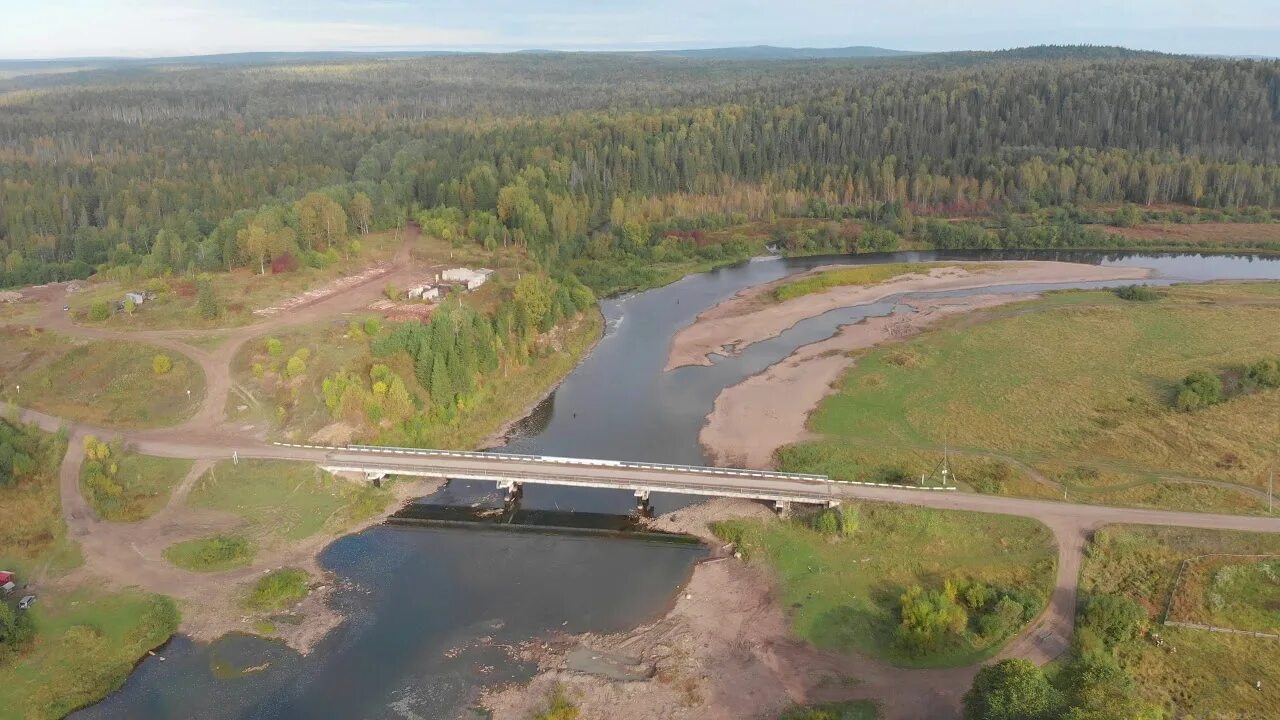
x: 723, y: 652
x: 752, y: 315
x: 120, y: 555
x: 754, y: 418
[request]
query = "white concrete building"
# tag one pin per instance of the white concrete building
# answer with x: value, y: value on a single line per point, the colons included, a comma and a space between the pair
x: 468, y: 278
x: 424, y: 292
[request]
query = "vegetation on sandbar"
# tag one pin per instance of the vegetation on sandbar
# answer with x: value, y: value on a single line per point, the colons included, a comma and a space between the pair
x: 914, y: 586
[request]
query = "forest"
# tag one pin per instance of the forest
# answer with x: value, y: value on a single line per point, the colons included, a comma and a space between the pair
x: 599, y: 165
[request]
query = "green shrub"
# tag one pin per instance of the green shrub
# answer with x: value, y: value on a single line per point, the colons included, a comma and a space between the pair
x: 1114, y: 618
x: 1011, y: 690
x: 1136, y: 293
x: 1198, y: 390
x: 279, y: 589
x: 275, y: 348
x: 99, y: 311
x: 211, y: 554
x: 161, y: 364
x: 928, y: 616
x: 1264, y: 373
x: 295, y: 367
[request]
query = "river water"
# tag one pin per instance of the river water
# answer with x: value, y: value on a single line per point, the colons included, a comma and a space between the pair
x: 430, y: 610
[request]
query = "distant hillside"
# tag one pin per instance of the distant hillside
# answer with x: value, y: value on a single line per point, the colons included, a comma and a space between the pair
x: 772, y: 52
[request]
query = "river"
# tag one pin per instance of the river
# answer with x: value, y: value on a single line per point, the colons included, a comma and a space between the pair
x: 431, y: 609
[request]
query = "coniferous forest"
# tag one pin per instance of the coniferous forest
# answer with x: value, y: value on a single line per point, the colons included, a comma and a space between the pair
x: 600, y: 163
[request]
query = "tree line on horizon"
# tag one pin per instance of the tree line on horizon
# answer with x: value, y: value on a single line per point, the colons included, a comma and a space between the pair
x: 591, y: 162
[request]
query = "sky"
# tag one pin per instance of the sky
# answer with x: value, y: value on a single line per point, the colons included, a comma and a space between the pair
x: 150, y: 28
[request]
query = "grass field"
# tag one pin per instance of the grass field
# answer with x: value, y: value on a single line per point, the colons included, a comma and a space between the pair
x: 211, y: 554
x: 1240, y: 592
x: 85, y: 646
x: 26, y: 351
x: 33, y: 536
x: 330, y: 346
x: 1197, y: 673
x: 1077, y: 384
x: 1209, y: 234
x: 843, y: 593
x: 856, y: 710
x: 285, y: 501
x: 239, y: 292
x: 144, y: 483
x: 113, y: 384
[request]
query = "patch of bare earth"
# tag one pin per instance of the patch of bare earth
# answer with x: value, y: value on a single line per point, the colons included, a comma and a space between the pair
x: 754, y: 418
x: 751, y: 316
x: 119, y: 555
x: 723, y: 652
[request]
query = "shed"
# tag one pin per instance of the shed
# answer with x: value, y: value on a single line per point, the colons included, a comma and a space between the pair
x: 5, y: 576
x: 136, y: 297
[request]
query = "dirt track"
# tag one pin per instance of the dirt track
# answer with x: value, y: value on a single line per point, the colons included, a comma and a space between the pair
x: 131, y: 554
x: 128, y: 554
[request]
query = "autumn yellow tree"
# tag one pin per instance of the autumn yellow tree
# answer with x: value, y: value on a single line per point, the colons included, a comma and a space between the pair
x: 323, y: 221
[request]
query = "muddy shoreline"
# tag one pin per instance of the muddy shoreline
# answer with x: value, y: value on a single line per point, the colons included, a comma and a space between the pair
x: 724, y: 651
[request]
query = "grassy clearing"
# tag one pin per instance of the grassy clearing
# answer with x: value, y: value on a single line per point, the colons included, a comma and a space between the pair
x: 294, y: 407
x: 239, y: 292
x: 130, y: 486
x: 860, y: 275
x: 1108, y: 486
x: 33, y: 536
x: 1076, y: 379
x: 1241, y: 593
x: 843, y: 592
x: 285, y: 501
x: 26, y: 351
x: 114, y: 384
x: 856, y: 710
x: 278, y: 590
x: 1196, y: 673
x: 85, y: 647
x: 211, y: 554
x: 1207, y: 234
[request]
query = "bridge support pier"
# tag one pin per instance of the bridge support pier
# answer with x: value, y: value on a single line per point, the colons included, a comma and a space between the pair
x: 643, y: 508
x: 513, y: 488
x: 375, y: 477
x: 782, y: 507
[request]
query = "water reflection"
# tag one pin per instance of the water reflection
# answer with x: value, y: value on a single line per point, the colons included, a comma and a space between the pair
x: 429, y: 610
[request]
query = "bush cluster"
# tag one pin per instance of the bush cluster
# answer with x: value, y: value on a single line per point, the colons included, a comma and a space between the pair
x: 1203, y: 388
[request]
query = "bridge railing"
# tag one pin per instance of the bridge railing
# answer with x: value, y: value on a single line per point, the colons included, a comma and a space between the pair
x: 551, y: 460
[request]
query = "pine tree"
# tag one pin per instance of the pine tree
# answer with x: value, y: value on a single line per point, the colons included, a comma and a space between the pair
x: 441, y: 389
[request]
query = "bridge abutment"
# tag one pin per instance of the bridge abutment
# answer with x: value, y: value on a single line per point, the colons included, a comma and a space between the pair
x: 375, y: 477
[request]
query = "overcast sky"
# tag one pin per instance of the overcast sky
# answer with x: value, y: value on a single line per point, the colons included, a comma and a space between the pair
x: 67, y: 28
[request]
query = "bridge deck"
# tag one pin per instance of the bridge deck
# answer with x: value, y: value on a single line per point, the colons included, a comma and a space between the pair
x: 638, y: 477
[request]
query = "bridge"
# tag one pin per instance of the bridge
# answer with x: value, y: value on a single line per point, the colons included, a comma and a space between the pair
x: 511, y: 472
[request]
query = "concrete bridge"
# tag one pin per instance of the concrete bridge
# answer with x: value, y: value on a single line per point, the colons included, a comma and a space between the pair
x: 511, y: 472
